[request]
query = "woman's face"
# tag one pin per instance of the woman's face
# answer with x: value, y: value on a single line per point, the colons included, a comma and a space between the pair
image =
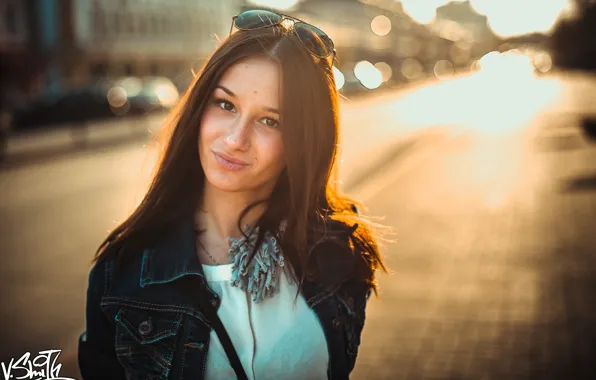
x: 241, y: 122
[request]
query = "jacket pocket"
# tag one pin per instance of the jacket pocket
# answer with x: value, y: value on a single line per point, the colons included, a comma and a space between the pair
x: 146, y: 341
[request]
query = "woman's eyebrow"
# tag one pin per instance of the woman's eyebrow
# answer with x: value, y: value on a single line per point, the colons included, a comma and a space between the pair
x: 225, y: 89
x: 229, y: 92
x: 274, y: 110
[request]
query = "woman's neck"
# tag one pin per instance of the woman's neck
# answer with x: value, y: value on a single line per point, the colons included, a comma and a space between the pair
x: 219, y: 212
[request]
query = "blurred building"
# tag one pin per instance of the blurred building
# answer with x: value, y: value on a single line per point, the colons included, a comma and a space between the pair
x: 18, y: 63
x: 469, y: 30
x: 573, y: 44
x: 380, y: 32
x: 64, y: 43
x: 144, y: 37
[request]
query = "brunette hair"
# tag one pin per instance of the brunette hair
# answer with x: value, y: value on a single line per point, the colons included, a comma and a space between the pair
x: 305, y: 194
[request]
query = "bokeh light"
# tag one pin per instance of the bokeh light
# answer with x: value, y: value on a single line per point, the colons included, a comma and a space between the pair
x: 132, y: 85
x: 489, y: 61
x: 167, y: 94
x: 381, y: 25
x: 117, y: 96
x: 443, y: 69
x: 412, y: 69
x: 340, y: 79
x: 543, y: 62
x: 368, y: 75
x: 512, y: 63
x: 385, y: 70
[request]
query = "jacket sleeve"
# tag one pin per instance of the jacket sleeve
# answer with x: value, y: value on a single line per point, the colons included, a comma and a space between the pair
x: 354, y: 294
x: 96, y: 354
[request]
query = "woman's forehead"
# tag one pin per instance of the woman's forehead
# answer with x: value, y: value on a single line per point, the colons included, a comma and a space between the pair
x: 253, y: 76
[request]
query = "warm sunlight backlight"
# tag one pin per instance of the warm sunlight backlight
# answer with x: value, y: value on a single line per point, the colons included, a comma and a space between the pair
x: 277, y: 4
x: 500, y: 99
x: 422, y: 11
x: 515, y: 17
x: 505, y: 17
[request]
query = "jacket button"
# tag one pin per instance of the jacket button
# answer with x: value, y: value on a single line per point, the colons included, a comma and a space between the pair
x: 337, y: 323
x: 145, y: 327
x: 351, y: 303
x: 215, y: 302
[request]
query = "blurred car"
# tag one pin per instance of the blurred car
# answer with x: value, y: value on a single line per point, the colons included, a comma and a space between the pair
x: 127, y: 96
x: 10, y: 105
x: 589, y: 128
x: 74, y: 106
x: 139, y: 95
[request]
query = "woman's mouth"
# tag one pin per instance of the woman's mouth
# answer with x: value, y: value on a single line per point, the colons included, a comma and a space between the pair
x: 228, y: 165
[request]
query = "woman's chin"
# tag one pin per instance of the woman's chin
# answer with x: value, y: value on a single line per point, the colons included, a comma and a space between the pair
x: 228, y: 183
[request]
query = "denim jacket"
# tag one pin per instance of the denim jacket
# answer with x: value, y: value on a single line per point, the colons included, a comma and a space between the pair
x: 143, y: 321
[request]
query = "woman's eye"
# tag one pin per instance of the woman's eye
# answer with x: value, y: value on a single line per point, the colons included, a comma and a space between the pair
x: 272, y: 123
x: 224, y: 105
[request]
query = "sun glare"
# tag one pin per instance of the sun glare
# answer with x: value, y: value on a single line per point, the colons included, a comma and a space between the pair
x: 276, y: 4
x: 505, y: 17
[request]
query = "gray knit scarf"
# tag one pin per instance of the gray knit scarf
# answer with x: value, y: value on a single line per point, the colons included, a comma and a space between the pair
x: 261, y: 276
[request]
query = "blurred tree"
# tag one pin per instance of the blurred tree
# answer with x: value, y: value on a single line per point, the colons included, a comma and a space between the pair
x: 582, y: 5
x: 572, y: 42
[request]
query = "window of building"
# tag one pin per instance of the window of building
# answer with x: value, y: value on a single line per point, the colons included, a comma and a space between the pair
x: 117, y: 27
x: 142, y: 24
x: 10, y: 18
x: 128, y: 23
x: 99, y: 22
x: 165, y: 25
x: 153, y: 25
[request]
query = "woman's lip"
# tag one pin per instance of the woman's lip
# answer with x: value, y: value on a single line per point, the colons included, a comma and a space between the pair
x: 228, y: 164
x: 230, y: 159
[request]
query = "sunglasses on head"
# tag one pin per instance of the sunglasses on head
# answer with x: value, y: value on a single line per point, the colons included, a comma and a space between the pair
x: 314, y: 39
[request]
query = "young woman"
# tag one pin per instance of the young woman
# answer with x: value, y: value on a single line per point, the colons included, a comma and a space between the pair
x: 242, y: 260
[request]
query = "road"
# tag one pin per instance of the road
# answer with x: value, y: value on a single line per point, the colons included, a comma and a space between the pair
x: 492, y: 204
x: 494, y: 272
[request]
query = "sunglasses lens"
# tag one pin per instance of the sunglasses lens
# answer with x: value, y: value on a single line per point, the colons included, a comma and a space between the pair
x: 256, y: 19
x: 315, y: 40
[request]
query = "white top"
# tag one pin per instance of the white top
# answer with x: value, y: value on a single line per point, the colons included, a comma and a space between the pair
x: 274, y: 339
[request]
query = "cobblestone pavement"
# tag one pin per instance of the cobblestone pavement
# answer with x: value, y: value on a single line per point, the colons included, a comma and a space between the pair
x: 494, y: 261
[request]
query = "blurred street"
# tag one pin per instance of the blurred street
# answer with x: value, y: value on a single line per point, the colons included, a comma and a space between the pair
x: 494, y: 263
x: 489, y: 185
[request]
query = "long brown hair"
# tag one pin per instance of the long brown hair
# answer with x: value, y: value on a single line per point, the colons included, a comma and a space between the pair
x: 305, y: 193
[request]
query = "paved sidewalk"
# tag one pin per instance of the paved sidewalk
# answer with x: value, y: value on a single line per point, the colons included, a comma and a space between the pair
x: 495, y: 264
x: 56, y: 140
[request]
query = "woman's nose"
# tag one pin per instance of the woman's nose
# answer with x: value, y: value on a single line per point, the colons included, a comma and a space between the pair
x: 239, y: 134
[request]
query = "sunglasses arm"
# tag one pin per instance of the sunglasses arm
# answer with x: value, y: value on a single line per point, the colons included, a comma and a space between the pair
x: 232, y: 26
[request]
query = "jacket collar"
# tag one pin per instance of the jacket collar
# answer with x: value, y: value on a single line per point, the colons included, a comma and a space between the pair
x: 175, y: 256
x: 172, y: 257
